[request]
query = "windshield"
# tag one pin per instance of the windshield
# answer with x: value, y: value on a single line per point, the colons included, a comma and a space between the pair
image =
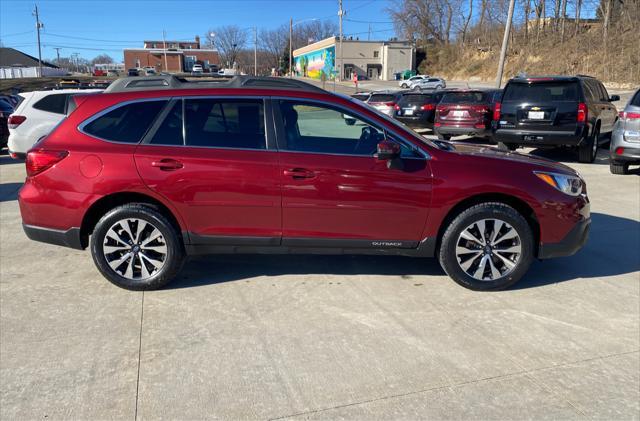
x: 464, y: 97
x: 541, y: 92
x: 416, y: 98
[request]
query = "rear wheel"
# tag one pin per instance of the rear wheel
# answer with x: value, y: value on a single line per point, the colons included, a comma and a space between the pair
x: 137, y: 248
x: 404, y: 86
x: 619, y: 168
x: 487, y: 247
x: 444, y: 136
x: 439, y: 87
x: 588, y: 150
x: 507, y: 146
x: 349, y: 121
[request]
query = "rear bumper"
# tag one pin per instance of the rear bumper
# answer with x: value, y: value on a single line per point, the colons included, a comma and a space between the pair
x: 570, y: 244
x: 460, y: 131
x: 630, y: 151
x: 420, y: 122
x: 542, y: 137
x: 17, y: 155
x: 69, y: 238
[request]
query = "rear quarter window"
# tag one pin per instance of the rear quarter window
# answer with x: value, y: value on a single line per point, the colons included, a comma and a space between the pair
x: 636, y: 100
x: 54, y: 103
x: 541, y: 92
x: 127, y: 123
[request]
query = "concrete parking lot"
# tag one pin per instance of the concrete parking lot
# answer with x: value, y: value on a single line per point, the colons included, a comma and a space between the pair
x: 313, y: 337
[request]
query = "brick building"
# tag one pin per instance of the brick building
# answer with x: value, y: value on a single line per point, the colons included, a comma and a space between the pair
x: 180, y: 56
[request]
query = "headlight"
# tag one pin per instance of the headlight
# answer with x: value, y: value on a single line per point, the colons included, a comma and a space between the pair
x: 569, y: 184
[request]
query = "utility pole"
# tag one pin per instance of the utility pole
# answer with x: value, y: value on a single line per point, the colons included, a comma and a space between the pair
x: 164, y: 41
x: 58, y: 55
x: 255, y: 51
x: 369, y: 36
x: 74, y: 58
x: 39, y: 26
x: 290, y: 46
x: 340, y: 14
x: 505, y: 43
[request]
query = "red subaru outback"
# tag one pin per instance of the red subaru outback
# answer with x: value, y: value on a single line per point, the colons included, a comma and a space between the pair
x: 158, y: 168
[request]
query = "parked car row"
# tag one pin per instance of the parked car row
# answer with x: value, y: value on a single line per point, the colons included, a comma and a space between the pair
x: 540, y: 112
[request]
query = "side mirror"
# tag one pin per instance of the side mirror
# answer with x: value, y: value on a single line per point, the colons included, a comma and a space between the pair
x: 387, y: 151
x: 614, y: 98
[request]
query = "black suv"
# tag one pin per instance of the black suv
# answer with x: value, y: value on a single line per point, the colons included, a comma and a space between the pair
x: 555, y: 111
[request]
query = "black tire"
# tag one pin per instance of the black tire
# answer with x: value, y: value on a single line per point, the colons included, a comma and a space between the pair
x: 618, y: 168
x: 588, y: 149
x: 438, y: 87
x: 404, y: 86
x: 349, y: 121
x: 490, y: 210
x: 444, y: 136
x: 172, y: 260
x: 507, y: 146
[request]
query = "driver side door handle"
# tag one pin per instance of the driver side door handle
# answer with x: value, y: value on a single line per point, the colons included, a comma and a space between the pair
x: 299, y: 173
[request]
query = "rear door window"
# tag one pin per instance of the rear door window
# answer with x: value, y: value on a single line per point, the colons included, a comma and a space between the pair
x: 54, y: 103
x: 541, y: 92
x: 225, y: 123
x: 170, y: 131
x: 127, y: 123
x: 382, y: 98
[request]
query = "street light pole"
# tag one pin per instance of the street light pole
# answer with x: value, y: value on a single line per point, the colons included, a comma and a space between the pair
x: 255, y: 51
x: 39, y: 25
x: 340, y: 14
x: 505, y: 43
x: 164, y: 41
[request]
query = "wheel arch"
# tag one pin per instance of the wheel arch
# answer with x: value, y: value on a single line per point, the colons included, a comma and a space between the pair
x: 518, y: 204
x: 103, y: 205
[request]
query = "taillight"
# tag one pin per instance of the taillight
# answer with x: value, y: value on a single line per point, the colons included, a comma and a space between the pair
x: 496, y: 111
x: 15, y: 120
x: 441, y: 108
x: 479, y: 109
x: 396, y: 107
x: 390, y: 104
x: 39, y: 160
x: 583, y: 113
x: 428, y: 107
x: 629, y: 116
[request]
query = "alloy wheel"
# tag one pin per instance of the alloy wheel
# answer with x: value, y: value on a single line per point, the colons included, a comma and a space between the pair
x: 488, y: 249
x: 135, y: 249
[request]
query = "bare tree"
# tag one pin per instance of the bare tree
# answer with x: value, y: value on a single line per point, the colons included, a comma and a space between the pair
x: 229, y: 40
x: 102, y: 59
x: 467, y: 20
x: 274, y: 42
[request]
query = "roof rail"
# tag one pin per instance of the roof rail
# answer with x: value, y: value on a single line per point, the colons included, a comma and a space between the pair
x: 592, y: 77
x: 164, y: 82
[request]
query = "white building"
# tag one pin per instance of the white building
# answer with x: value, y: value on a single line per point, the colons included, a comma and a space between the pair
x: 372, y: 59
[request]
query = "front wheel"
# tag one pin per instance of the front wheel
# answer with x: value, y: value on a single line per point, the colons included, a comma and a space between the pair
x: 404, y: 86
x: 487, y: 247
x: 137, y: 248
x: 444, y: 136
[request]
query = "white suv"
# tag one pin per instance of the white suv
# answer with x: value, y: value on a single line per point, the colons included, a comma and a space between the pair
x: 38, y: 113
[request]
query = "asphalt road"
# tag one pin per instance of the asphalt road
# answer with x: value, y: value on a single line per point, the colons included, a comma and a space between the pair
x: 313, y: 337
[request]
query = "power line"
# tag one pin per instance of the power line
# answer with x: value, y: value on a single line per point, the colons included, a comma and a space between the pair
x: 16, y: 34
x: 367, y: 21
x: 361, y: 6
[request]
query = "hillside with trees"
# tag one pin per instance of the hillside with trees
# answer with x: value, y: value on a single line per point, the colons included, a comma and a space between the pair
x: 461, y: 39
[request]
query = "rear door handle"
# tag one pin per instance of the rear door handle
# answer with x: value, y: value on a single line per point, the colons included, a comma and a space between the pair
x: 167, y: 164
x: 299, y: 173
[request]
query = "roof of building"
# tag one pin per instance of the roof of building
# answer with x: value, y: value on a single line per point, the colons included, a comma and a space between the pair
x: 10, y: 57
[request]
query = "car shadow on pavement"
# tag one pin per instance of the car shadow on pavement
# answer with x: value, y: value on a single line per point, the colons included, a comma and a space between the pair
x: 612, y: 249
x: 570, y: 155
x: 9, y: 191
x: 599, y: 258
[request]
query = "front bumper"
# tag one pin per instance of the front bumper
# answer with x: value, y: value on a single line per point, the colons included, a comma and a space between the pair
x: 572, y: 242
x: 69, y: 238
